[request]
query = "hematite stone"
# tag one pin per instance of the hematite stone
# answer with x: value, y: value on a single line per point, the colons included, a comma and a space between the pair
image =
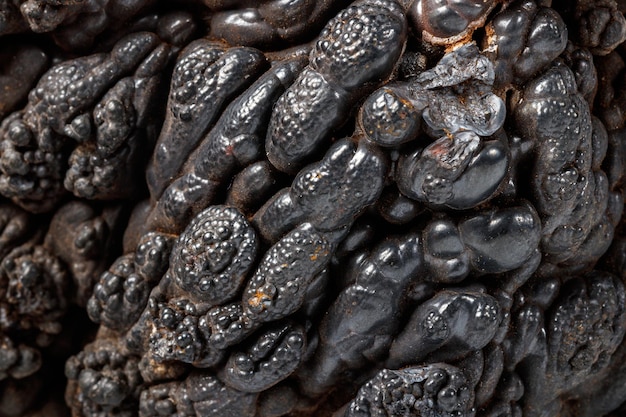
x: 312, y: 208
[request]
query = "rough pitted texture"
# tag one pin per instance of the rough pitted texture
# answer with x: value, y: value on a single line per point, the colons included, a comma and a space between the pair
x: 214, y: 254
x: 329, y: 208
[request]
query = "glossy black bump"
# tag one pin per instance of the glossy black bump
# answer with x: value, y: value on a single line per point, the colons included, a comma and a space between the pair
x: 272, y: 356
x: 449, y: 325
x: 445, y: 255
x: 278, y: 286
x: 213, y: 255
x: 388, y: 118
x: 525, y: 39
x: 320, y: 98
x: 516, y: 228
x: 177, y: 331
x: 207, y: 74
x: 362, y: 322
x: 102, y: 378
x: 436, y: 389
x: 443, y: 22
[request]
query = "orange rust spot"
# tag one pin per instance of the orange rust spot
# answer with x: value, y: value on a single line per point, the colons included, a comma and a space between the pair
x: 454, y: 42
x: 405, y: 102
x: 490, y: 34
x: 258, y: 299
x: 317, y: 252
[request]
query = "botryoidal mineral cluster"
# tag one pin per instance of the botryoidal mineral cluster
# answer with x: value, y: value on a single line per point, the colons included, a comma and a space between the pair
x: 378, y: 208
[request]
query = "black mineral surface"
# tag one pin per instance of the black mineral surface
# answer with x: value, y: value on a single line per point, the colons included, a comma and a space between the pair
x: 312, y: 208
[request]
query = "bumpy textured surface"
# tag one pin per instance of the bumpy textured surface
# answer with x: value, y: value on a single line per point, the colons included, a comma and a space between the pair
x: 369, y: 208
